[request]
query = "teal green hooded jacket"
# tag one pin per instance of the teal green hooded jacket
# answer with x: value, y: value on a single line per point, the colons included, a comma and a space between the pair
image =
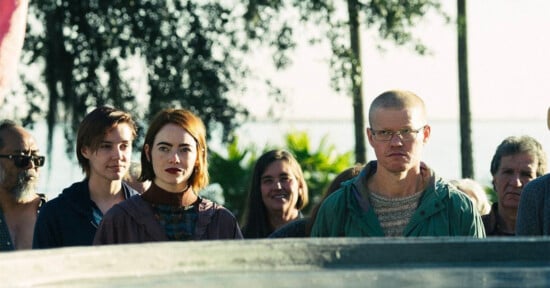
x: 442, y: 211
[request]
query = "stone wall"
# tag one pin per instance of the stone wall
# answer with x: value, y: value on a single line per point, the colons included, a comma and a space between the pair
x: 334, y: 262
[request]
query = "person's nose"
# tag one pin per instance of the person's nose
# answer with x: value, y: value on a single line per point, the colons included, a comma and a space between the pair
x: 175, y: 158
x: 396, y: 139
x: 31, y: 165
x: 277, y: 184
x: 117, y: 153
x: 515, y: 180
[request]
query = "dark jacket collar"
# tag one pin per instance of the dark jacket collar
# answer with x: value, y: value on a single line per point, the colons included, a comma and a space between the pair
x: 77, y: 196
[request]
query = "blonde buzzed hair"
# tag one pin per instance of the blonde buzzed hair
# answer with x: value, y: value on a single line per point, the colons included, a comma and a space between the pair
x: 396, y: 99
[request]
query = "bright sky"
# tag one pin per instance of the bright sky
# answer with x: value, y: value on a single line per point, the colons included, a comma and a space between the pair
x: 509, y: 60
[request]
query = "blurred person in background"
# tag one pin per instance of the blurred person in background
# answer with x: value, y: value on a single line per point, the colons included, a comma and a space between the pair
x: 476, y: 193
x: 132, y: 178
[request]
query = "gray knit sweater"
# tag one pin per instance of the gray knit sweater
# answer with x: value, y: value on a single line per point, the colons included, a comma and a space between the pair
x: 534, y: 208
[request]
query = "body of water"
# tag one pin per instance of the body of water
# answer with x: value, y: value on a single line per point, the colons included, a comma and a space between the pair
x: 442, y: 153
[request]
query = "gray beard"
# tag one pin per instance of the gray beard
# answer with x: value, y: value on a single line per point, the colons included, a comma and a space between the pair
x: 25, y: 186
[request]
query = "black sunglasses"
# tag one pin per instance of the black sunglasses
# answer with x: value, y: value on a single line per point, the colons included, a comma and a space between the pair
x: 23, y: 161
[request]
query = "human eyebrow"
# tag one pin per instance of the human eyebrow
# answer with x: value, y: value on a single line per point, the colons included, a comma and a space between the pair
x: 26, y: 152
x: 266, y: 177
x: 105, y: 143
x: 164, y: 143
x: 527, y: 171
x: 507, y: 170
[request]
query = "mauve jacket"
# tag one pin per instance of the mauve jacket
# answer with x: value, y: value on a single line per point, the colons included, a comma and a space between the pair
x: 134, y: 221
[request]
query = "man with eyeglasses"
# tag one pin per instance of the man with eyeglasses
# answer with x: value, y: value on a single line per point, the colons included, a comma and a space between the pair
x: 19, y: 202
x: 397, y: 195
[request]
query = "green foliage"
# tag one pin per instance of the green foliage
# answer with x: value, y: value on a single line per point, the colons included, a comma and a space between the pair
x: 233, y: 171
x: 320, y: 166
x: 491, y: 194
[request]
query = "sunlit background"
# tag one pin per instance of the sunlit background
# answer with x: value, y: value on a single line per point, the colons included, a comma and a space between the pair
x: 508, y: 54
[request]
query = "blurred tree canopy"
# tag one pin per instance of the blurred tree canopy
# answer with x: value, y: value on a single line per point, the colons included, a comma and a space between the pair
x: 340, y: 22
x: 190, y: 53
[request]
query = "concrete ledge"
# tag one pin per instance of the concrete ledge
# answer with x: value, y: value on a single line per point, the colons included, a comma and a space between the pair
x: 329, y: 262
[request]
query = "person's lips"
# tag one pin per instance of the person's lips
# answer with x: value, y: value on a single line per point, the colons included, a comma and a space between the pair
x: 116, y: 167
x: 397, y: 154
x: 172, y: 170
x: 514, y: 194
x: 280, y: 196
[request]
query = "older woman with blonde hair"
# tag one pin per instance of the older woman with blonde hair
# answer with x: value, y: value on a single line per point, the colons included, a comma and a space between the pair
x: 174, y: 159
x: 476, y: 193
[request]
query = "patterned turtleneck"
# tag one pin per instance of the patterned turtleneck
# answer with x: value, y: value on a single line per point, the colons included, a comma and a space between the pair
x: 178, y: 221
x: 394, y: 213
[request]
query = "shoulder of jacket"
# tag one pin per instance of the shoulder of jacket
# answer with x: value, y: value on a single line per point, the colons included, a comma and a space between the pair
x: 337, y: 196
x: 135, y: 202
x: 74, y: 193
x: 210, y: 208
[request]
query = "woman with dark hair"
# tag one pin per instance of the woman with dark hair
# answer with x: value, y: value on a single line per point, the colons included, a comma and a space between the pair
x: 278, y: 191
x: 174, y: 159
x: 302, y: 227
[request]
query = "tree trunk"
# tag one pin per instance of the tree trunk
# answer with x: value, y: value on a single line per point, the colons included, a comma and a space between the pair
x: 464, y: 94
x: 356, y: 80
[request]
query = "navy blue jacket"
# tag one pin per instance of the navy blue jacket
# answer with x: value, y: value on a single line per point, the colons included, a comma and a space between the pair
x: 68, y: 219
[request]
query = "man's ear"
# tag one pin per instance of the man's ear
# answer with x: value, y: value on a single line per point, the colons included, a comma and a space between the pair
x: 85, y: 151
x: 426, y: 132
x: 369, y: 136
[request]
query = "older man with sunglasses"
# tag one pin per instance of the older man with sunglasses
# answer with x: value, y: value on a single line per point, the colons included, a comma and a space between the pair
x: 19, y: 202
